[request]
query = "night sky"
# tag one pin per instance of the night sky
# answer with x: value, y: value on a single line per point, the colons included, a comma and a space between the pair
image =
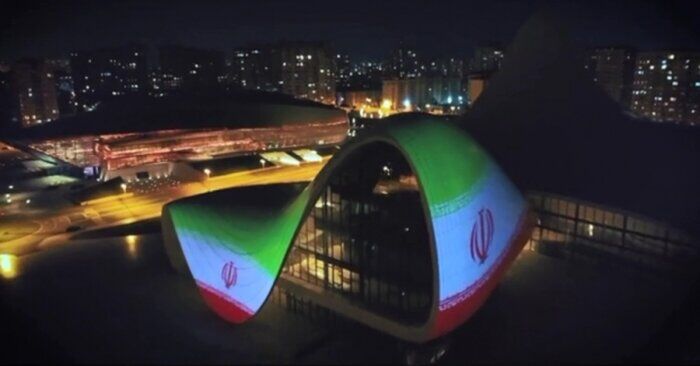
x: 367, y: 30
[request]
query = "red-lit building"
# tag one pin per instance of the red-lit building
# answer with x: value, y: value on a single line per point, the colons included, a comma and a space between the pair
x: 140, y: 131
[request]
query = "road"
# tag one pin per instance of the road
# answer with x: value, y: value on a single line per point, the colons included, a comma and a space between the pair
x: 131, y: 207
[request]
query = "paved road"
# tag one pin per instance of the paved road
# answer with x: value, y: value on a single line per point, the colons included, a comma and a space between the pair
x: 126, y: 208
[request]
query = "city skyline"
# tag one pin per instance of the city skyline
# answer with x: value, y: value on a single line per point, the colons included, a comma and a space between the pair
x: 365, y: 31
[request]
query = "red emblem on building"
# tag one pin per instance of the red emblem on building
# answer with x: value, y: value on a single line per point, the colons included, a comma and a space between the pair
x: 229, y: 273
x: 482, y: 235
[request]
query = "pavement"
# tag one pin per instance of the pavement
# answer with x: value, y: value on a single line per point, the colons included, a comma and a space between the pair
x: 52, y: 215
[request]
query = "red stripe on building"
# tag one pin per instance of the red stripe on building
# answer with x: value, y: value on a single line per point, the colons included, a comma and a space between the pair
x: 224, y: 305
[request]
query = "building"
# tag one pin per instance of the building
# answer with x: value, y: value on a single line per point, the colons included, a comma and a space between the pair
x: 64, y: 86
x: 364, y: 239
x: 6, y: 100
x: 357, y: 99
x: 365, y: 75
x: 188, y: 67
x: 486, y: 58
x: 145, y: 134
x: 613, y: 68
x: 403, y: 63
x: 351, y: 240
x: 307, y: 71
x: 342, y: 62
x: 256, y: 67
x: 100, y: 75
x: 666, y: 87
x: 34, y: 92
x: 445, y: 67
x: 423, y: 93
x: 476, y: 83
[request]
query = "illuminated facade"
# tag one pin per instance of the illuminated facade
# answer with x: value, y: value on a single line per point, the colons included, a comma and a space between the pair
x: 134, y: 132
x: 34, y: 92
x: 666, y: 87
x: 406, y: 230
x: 118, y: 151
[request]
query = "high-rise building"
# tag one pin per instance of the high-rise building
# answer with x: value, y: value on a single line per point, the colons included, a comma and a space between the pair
x: 101, y: 74
x: 486, y: 58
x: 307, y: 71
x: 666, y: 86
x: 256, y: 67
x: 187, y: 67
x: 445, y: 67
x: 34, y: 93
x: 342, y: 62
x: 403, y: 63
x: 366, y: 75
x: 6, y: 103
x: 613, y: 69
x: 65, y: 93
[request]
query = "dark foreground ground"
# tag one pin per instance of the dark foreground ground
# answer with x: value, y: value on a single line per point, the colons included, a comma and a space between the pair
x: 115, y: 299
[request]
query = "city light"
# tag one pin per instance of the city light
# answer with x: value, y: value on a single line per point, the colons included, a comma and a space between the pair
x: 386, y: 104
x: 8, y: 266
x: 406, y: 103
x: 207, y: 171
x: 123, y: 186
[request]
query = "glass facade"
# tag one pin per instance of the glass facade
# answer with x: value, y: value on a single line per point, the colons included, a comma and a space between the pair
x: 366, y: 238
x: 568, y: 227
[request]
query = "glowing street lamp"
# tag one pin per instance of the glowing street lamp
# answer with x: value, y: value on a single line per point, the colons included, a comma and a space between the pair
x: 207, y: 171
x: 123, y: 185
x: 262, y: 162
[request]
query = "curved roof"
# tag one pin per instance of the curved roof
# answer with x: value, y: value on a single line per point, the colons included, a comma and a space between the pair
x: 552, y: 129
x: 234, y: 242
x: 187, y: 110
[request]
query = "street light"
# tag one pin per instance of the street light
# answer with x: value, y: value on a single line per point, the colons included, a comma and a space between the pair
x: 262, y: 162
x: 207, y: 171
x: 123, y: 185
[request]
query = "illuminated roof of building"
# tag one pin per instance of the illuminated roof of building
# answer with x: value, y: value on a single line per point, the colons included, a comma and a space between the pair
x: 186, y: 110
x: 552, y: 129
x: 234, y: 242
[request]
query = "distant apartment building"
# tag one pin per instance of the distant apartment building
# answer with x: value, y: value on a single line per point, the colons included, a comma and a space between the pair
x: 343, y: 67
x: 357, y: 99
x: 307, y: 71
x: 102, y: 74
x: 33, y: 93
x: 65, y: 93
x: 486, y: 59
x: 403, y: 64
x: 666, y: 87
x: 6, y: 101
x: 445, y: 67
x: 255, y: 67
x: 365, y: 75
x: 422, y: 93
x: 188, y: 67
x: 612, y: 68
